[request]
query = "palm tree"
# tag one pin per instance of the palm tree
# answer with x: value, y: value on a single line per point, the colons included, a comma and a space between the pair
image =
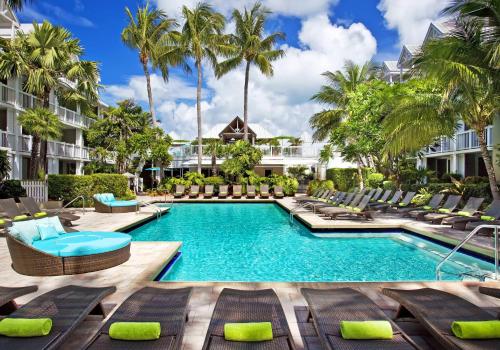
x: 43, y: 125
x: 17, y: 4
x: 215, y: 149
x: 470, y: 92
x: 202, y: 38
x: 253, y: 47
x: 151, y: 32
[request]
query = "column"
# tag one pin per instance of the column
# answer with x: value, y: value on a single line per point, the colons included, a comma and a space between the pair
x: 79, y: 168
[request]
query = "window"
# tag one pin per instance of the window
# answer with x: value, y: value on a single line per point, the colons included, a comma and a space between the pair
x: 268, y: 172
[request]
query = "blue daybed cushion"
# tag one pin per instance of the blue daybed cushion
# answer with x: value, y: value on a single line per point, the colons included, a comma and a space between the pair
x: 104, y: 197
x: 122, y: 203
x: 83, y: 243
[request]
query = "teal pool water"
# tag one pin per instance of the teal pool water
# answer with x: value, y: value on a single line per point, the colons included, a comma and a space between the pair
x: 256, y: 243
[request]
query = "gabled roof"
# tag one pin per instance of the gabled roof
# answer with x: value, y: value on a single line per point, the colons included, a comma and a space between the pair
x: 407, y: 54
x: 438, y: 30
x: 7, y: 13
x: 217, y: 130
x: 391, y: 66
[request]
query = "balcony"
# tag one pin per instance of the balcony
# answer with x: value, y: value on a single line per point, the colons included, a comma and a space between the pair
x: 25, y: 101
x: 462, y: 141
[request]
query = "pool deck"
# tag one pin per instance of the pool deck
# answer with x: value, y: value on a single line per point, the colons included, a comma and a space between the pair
x: 148, y: 258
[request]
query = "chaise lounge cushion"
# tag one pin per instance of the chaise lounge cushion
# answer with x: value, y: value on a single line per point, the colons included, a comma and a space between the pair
x: 122, y: 203
x: 83, y: 243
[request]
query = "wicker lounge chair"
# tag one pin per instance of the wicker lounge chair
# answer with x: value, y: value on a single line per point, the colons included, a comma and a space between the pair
x: 474, y: 221
x: 250, y: 191
x: 166, y: 306
x: 492, y: 292
x: 383, y: 199
x: 470, y: 208
x: 315, y: 194
x: 328, y: 307
x: 436, y: 310
x: 106, y: 203
x: 223, y: 189
x: 376, y: 195
x: 67, y: 307
x: 450, y: 204
x: 264, y: 191
x: 179, y: 191
x: 33, y: 209
x: 209, y: 191
x: 11, y: 209
x: 30, y: 261
x: 236, y: 191
x: 433, y: 204
x: 194, y: 191
x: 396, y: 208
x: 278, y: 192
x: 347, y: 199
x: 395, y: 199
x: 8, y: 294
x: 248, y: 306
x: 353, y: 212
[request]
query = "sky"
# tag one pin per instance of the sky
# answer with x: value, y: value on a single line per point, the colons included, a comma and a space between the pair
x: 320, y: 36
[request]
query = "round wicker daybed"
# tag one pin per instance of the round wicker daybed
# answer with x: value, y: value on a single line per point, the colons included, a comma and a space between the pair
x: 106, y: 203
x: 72, y: 253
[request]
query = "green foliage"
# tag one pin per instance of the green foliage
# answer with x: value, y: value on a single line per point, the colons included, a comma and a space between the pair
x: 214, y: 180
x: 388, y: 185
x: 375, y: 180
x: 290, y: 185
x: 475, y: 179
x: 168, y: 184
x: 422, y: 197
x: 467, y: 190
x: 11, y: 189
x: 346, y: 179
x: 319, y: 184
x: 67, y: 187
x: 194, y: 178
x: 241, y: 157
x: 4, y: 165
x: 129, y: 195
x: 447, y: 177
x: 299, y: 172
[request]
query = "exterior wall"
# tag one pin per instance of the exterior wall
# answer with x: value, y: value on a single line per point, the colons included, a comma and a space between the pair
x: 261, y: 170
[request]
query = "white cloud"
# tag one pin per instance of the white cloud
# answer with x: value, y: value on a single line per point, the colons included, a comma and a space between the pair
x: 411, y: 18
x: 297, y: 8
x: 280, y: 103
x: 53, y: 13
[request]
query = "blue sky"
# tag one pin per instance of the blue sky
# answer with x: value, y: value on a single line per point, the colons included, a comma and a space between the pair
x: 321, y: 35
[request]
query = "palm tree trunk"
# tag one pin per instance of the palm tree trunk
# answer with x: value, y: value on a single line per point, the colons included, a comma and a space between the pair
x: 245, y: 102
x: 214, y: 165
x: 35, y: 146
x: 43, y: 143
x: 360, y: 175
x: 481, y: 133
x: 198, y: 113
x: 150, y: 92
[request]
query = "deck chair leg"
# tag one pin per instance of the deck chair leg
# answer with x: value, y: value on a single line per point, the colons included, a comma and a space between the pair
x: 403, y: 313
x: 98, y: 310
x: 8, y: 308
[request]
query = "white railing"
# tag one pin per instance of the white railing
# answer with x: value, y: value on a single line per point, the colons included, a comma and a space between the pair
x: 462, y: 141
x: 67, y: 150
x: 39, y: 190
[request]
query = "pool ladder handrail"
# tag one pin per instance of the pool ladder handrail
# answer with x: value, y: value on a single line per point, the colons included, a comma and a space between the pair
x: 467, y: 239
x: 58, y: 211
x: 293, y: 211
x: 155, y: 208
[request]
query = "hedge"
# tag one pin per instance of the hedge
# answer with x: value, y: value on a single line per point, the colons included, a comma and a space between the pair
x: 11, y: 189
x: 68, y: 187
x: 481, y: 190
x: 346, y: 179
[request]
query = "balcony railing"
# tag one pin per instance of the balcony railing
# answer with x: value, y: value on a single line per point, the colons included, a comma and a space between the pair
x: 25, y: 101
x: 462, y: 141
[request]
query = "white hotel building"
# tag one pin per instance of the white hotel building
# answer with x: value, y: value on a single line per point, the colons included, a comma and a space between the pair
x: 460, y: 153
x: 66, y: 155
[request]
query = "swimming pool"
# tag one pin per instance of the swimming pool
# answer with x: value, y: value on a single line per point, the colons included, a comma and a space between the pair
x: 256, y: 243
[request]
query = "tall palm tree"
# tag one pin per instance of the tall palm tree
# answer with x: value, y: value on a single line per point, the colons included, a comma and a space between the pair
x: 43, y: 125
x: 470, y: 92
x: 151, y: 32
x: 252, y: 47
x: 215, y: 149
x: 17, y: 4
x: 202, y: 38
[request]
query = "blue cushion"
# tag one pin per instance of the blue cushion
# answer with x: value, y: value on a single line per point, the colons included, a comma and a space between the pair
x: 108, y: 197
x: 47, y: 231
x: 122, y: 203
x: 83, y: 243
x: 26, y: 231
x: 53, y: 221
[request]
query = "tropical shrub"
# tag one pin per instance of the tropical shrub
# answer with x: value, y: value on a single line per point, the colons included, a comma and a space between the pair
x: 315, y: 185
x: 109, y: 183
x: 4, y: 165
x: 194, y: 178
x: 129, y: 195
x: 214, y: 180
x: 11, y: 189
x: 346, y: 179
x: 422, y: 197
x: 290, y: 184
x: 388, y: 185
x: 299, y: 172
x: 241, y: 157
x: 169, y: 183
x: 475, y: 179
x: 448, y: 176
x: 375, y: 180
x: 254, y: 179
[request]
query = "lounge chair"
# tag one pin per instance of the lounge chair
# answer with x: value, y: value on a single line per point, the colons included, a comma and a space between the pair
x: 404, y: 204
x: 8, y: 294
x: 376, y: 195
x: 382, y: 199
x: 382, y: 206
x: 449, y: 205
x: 236, y: 191
x: 470, y: 208
x: 106, y: 203
x: 330, y: 203
x: 12, y: 211
x: 492, y: 292
x: 436, y: 310
x: 493, y: 211
x: 235, y: 306
x: 67, y: 307
x: 434, y: 203
x: 352, y: 212
x: 209, y: 191
x: 250, y: 191
x: 179, y: 191
x: 329, y: 307
x: 315, y: 194
x: 322, y: 195
x: 371, y: 192
x: 278, y: 192
x: 264, y: 191
x: 67, y: 254
x: 166, y: 306
x: 223, y: 189
x: 194, y: 191
x: 325, y: 196
x: 34, y: 210
x: 338, y: 204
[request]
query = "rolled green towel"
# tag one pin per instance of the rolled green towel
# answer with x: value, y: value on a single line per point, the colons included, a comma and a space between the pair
x: 135, y: 330
x: 476, y: 329
x: 444, y: 211
x: 20, y: 217
x: 389, y: 202
x: 248, y: 332
x: 223, y: 193
x: 427, y: 207
x: 403, y: 204
x: 487, y: 218
x: 40, y: 214
x: 356, y: 210
x: 25, y: 327
x: 464, y: 213
x: 342, y: 205
x: 2, y: 222
x: 380, y: 201
x: 366, y: 329
x: 349, y: 207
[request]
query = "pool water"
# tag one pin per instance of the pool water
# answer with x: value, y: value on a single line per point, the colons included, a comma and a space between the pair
x: 256, y: 243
